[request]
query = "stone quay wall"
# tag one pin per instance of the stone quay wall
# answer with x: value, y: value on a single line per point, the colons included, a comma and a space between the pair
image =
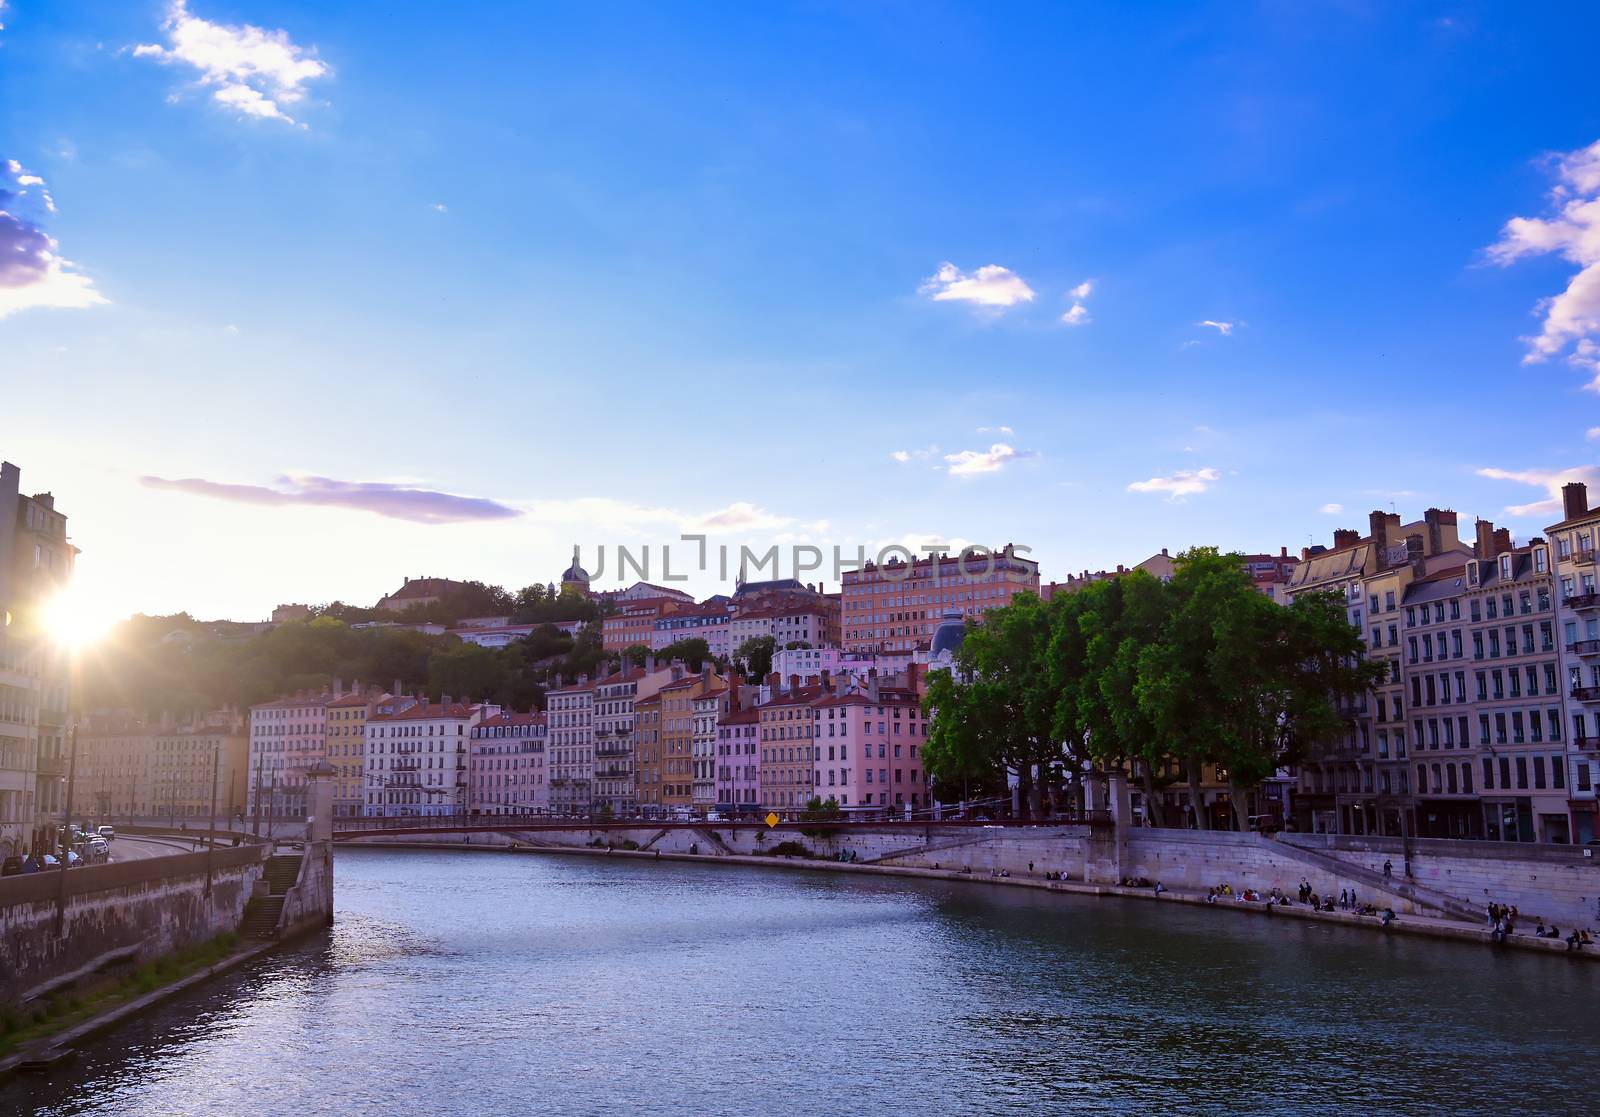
x: 1551, y: 882
x: 133, y: 910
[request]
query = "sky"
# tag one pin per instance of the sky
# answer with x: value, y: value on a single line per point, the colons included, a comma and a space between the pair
x: 298, y: 299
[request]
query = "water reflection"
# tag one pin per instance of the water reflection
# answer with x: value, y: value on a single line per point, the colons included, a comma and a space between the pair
x: 470, y: 984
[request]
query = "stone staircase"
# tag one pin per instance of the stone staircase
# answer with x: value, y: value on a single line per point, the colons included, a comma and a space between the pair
x: 930, y: 847
x: 1441, y: 902
x: 263, y: 913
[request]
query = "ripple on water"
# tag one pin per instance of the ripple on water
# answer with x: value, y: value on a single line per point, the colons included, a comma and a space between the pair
x: 462, y: 984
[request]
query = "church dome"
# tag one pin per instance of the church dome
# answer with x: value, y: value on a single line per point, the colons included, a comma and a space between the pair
x: 948, y: 636
x: 575, y: 573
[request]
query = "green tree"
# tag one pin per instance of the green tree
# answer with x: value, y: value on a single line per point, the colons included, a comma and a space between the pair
x: 755, y: 657
x: 693, y: 651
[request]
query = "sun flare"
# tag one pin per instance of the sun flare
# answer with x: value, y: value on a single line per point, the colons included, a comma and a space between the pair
x: 73, y: 621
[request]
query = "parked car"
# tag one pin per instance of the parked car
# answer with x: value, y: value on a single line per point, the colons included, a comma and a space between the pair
x: 1264, y: 823
x: 109, y: 833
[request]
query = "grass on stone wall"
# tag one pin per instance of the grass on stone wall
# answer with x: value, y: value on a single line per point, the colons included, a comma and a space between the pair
x: 21, y: 1025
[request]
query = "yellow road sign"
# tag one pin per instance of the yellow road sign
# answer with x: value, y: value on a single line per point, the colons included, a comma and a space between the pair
x: 772, y: 818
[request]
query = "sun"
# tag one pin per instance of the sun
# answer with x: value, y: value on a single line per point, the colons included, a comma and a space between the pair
x: 73, y: 621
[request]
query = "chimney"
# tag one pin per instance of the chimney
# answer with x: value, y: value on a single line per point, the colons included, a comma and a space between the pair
x: 775, y: 682
x: 1502, y: 540
x: 445, y: 701
x: 911, y: 677
x: 1283, y: 552
x: 1483, y: 544
x: 397, y: 691
x: 338, y: 686
x: 794, y: 682
x: 1441, y: 529
x: 827, y: 681
x: 649, y: 662
x: 1574, y: 499
x: 872, y: 685
x: 1345, y: 537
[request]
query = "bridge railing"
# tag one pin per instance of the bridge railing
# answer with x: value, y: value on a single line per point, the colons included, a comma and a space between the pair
x: 793, y: 820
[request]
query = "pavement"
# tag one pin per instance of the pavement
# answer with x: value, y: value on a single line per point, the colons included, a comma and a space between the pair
x: 130, y: 848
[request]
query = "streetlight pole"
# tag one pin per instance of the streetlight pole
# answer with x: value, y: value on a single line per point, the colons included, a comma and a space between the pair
x: 257, y: 813
x: 211, y: 838
x: 66, y: 827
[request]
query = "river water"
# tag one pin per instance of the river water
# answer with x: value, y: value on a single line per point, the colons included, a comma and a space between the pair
x: 461, y: 983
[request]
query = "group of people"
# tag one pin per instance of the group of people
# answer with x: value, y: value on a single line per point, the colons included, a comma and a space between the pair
x: 1503, y: 921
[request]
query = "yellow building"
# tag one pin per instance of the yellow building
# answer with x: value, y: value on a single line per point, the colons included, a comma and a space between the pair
x: 346, y: 734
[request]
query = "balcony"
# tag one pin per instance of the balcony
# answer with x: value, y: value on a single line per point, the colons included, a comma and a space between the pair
x: 1587, y: 744
x: 405, y: 766
x: 1586, y: 693
x: 1589, y: 599
x: 1584, y: 647
x: 1584, y: 557
x: 612, y: 750
x: 51, y: 766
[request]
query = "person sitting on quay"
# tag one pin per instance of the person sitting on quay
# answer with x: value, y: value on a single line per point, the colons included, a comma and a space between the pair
x: 1327, y: 905
x: 1387, y: 917
x: 1499, y: 932
x: 1160, y: 888
x: 1315, y: 902
x: 1211, y: 895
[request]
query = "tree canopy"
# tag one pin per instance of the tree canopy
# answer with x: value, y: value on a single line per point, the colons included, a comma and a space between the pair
x: 1139, y: 673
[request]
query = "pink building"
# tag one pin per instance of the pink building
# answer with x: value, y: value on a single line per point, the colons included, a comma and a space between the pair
x: 286, y: 738
x: 869, y: 748
x: 506, y: 765
x: 738, y: 762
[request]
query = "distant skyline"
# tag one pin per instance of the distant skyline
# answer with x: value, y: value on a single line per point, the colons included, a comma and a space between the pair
x: 297, y: 299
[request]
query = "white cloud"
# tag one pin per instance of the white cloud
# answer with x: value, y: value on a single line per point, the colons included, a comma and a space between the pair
x: 1550, y: 480
x: 1185, y: 482
x: 970, y: 463
x: 1082, y: 290
x: 252, y: 71
x: 440, y: 207
x: 1331, y: 509
x: 1572, y: 231
x: 1593, y: 432
x: 906, y: 457
x: 996, y: 430
x: 1223, y: 328
x: 1078, y: 315
x: 32, y: 272
x: 990, y: 286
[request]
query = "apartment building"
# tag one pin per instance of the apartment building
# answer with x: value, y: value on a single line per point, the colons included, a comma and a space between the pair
x: 634, y: 622
x: 570, y: 752
x: 1578, y: 622
x: 615, y: 737
x: 869, y: 748
x: 709, y: 709
x: 710, y: 622
x: 787, y: 732
x: 896, y: 606
x: 506, y: 773
x: 738, y: 757
x: 416, y: 758
x: 1360, y: 783
x: 287, y: 737
x: 1484, y: 689
x: 36, y: 562
x: 346, y: 742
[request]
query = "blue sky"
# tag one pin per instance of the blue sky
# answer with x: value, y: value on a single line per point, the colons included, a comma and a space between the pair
x: 613, y: 271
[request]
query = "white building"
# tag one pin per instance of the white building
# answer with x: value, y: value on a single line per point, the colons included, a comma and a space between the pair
x: 416, y: 758
x: 570, y: 751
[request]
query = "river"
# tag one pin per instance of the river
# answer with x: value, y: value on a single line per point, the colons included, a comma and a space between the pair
x: 461, y: 983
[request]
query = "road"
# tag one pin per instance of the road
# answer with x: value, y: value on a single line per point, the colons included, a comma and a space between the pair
x: 127, y: 848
